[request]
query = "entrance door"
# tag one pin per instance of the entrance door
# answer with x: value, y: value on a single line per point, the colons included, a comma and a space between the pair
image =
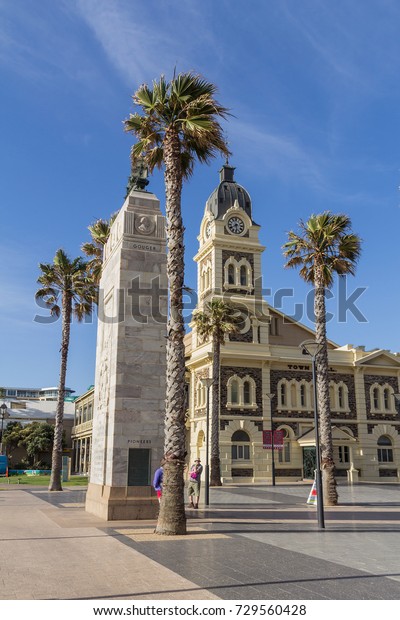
x: 309, y: 462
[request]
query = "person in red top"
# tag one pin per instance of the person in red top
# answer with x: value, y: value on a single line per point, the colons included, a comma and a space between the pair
x: 194, y: 483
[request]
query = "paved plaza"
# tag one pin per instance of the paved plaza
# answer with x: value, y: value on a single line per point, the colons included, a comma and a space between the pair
x: 252, y: 543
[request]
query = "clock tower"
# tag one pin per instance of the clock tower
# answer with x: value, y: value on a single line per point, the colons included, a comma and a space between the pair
x: 229, y: 256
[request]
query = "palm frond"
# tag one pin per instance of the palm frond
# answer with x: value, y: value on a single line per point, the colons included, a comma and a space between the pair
x: 325, y: 246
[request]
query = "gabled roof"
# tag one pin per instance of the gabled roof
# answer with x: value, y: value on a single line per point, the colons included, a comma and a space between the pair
x: 381, y: 357
x: 308, y: 331
x: 338, y: 436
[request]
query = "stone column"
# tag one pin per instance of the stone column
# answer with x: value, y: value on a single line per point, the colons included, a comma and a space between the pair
x: 129, y: 401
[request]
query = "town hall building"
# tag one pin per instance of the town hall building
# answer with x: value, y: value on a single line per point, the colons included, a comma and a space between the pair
x: 266, y: 381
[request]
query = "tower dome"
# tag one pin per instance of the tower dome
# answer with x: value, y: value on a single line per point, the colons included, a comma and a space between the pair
x: 226, y: 194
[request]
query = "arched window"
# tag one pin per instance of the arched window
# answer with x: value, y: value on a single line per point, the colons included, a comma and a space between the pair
x: 235, y: 392
x: 241, y: 392
x: 247, y: 393
x: 200, y: 394
x: 283, y: 394
x: 284, y: 454
x: 303, y: 401
x: 385, y: 450
x: 231, y: 274
x: 237, y: 273
x: 386, y: 399
x: 341, y: 396
x: 240, y: 446
x: 375, y: 397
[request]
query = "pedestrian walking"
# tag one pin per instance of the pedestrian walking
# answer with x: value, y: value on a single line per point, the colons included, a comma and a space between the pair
x: 194, y: 483
x: 158, y: 480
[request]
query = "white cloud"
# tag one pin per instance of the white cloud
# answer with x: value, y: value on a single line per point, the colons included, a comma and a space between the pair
x: 280, y: 155
x: 140, y: 39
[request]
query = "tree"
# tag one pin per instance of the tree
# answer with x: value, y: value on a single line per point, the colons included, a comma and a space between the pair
x: 37, y: 438
x: 12, y: 435
x: 100, y: 232
x: 214, y: 322
x: 324, y: 247
x: 68, y: 290
x: 178, y: 124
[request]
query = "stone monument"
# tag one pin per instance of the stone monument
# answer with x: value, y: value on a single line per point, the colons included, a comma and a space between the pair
x: 129, y: 405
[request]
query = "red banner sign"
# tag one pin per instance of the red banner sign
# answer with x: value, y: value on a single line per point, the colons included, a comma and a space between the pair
x: 278, y: 440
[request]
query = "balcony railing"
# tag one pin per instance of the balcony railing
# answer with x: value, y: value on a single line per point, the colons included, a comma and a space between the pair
x: 82, y: 428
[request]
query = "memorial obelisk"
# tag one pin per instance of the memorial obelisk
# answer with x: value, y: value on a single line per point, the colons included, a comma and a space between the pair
x: 129, y: 404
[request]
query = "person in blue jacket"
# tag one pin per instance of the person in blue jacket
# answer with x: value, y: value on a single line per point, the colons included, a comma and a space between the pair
x: 158, y: 480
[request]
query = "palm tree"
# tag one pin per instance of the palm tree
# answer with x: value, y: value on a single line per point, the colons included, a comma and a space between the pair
x: 178, y: 124
x: 100, y: 232
x: 214, y: 322
x: 68, y: 290
x: 325, y: 247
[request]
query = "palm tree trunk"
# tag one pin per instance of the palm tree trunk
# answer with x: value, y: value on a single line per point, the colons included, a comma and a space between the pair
x: 215, y: 474
x: 322, y: 367
x: 56, y: 460
x: 172, y: 518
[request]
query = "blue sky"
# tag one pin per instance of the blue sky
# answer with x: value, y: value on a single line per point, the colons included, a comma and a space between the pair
x: 314, y: 90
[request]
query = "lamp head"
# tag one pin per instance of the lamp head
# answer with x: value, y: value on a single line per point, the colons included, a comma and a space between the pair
x: 310, y: 347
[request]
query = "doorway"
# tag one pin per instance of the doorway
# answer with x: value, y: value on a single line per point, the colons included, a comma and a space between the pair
x: 309, y: 462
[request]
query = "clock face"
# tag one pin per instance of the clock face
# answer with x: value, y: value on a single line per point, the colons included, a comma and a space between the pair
x: 208, y: 229
x: 235, y: 225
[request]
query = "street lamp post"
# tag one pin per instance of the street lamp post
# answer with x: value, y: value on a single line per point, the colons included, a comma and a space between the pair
x: 3, y: 414
x: 312, y: 348
x: 271, y: 396
x: 207, y: 384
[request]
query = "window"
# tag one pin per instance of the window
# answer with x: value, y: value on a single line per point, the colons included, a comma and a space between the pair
x: 385, y: 450
x: 240, y: 446
x: 200, y: 395
x: 283, y: 394
x: 246, y: 393
x: 234, y: 392
x: 344, y: 454
x: 341, y: 396
x: 284, y: 454
x: 303, y: 395
x: 382, y: 399
x: 274, y: 326
x: 386, y: 399
x: 294, y: 395
x: 205, y: 282
x: 375, y: 397
x: 238, y: 274
x: 241, y: 392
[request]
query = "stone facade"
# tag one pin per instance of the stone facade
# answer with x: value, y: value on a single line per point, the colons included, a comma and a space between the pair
x: 268, y: 352
x: 127, y: 441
